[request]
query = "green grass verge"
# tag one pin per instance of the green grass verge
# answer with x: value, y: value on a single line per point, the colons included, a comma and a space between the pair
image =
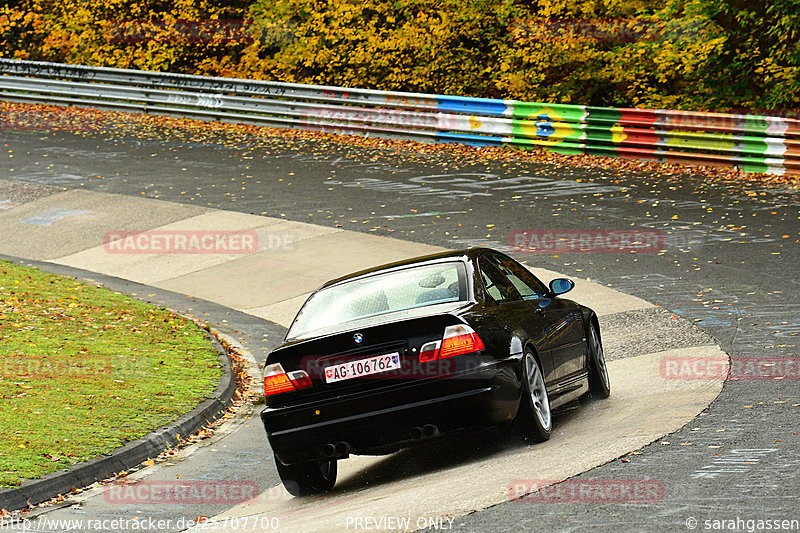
x: 85, y: 370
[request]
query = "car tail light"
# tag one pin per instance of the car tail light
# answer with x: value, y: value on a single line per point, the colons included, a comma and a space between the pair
x: 429, y: 351
x: 276, y: 380
x: 300, y: 379
x: 457, y: 340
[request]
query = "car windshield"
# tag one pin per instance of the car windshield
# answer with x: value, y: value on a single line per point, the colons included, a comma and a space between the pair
x: 379, y: 294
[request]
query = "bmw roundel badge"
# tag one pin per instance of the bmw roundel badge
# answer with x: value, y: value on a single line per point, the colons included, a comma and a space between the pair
x: 358, y: 338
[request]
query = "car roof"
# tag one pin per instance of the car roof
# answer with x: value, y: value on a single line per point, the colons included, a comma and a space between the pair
x: 466, y: 254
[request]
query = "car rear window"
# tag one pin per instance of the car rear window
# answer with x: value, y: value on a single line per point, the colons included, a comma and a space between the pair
x: 378, y: 294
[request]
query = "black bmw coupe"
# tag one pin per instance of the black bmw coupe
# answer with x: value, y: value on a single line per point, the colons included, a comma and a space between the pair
x: 388, y: 357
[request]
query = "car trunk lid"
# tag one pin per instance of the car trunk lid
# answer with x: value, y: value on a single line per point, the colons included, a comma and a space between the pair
x: 371, y: 357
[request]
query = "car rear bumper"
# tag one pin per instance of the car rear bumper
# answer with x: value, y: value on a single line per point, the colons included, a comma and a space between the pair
x: 383, y: 421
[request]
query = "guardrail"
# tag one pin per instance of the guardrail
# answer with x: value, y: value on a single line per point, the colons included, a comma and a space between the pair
x: 753, y: 143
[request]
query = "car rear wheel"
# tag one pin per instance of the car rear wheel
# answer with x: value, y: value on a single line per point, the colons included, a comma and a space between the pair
x: 305, y: 479
x: 536, y: 419
x: 599, y: 384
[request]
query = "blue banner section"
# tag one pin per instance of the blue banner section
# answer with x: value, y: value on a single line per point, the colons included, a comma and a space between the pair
x: 472, y: 106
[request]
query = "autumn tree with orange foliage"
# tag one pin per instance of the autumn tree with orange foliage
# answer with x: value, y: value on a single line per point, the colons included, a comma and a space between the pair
x: 685, y: 54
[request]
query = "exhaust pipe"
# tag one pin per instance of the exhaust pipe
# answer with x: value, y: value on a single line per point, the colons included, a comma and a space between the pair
x: 328, y: 450
x: 429, y: 430
x: 342, y: 449
x: 425, y: 432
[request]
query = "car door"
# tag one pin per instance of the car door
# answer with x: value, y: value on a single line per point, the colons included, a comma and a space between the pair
x: 516, y: 312
x: 566, y: 339
x: 560, y: 318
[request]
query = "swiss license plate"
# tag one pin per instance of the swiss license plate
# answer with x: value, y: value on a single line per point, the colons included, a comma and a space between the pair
x: 362, y: 367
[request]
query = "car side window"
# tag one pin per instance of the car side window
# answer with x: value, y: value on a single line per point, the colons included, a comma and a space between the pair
x: 529, y: 287
x: 497, y: 285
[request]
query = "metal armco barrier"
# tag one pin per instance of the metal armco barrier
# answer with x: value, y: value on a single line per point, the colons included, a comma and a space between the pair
x: 753, y: 143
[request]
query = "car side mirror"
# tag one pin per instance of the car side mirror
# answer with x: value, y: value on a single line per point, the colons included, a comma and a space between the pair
x: 561, y: 286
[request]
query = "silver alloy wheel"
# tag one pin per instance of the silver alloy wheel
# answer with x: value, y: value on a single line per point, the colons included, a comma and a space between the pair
x: 541, y: 404
x: 599, y: 359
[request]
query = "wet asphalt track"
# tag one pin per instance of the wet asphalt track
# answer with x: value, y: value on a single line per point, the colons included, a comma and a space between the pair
x: 727, y: 266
